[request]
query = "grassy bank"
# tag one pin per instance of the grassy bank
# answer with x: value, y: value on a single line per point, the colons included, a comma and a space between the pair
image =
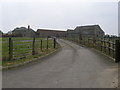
x: 22, y: 49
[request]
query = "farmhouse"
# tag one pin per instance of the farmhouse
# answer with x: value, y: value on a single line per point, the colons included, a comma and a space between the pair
x: 23, y: 32
x: 49, y: 33
x: 89, y: 31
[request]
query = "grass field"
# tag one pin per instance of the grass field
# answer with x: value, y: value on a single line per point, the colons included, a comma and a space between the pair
x: 22, y: 49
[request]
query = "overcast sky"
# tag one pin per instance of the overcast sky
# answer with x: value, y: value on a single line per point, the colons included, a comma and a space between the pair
x: 59, y: 14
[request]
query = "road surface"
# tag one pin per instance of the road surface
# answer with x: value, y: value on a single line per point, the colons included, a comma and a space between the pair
x: 72, y: 67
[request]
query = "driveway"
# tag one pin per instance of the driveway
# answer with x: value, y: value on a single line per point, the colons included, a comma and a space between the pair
x: 72, y: 67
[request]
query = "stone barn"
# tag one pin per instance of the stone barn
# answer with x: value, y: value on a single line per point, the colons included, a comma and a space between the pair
x: 89, y: 31
x: 49, y: 33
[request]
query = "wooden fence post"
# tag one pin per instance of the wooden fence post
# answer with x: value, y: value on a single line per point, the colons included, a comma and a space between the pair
x: 33, y: 46
x: 73, y: 38
x: 80, y: 38
x: 94, y: 43
x: 41, y: 45
x: 10, y: 49
x: 104, y: 45
x: 54, y: 43
x: 101, y: 44
x: 84, y: 41
x: 109, y: 45
x: 117, y: 50
x: 88, y: 41
x: 47, y: 42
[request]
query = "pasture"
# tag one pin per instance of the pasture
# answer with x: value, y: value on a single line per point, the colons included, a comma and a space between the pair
x: 22, y: 49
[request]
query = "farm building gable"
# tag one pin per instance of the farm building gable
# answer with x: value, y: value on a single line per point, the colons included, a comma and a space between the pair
x: 23, y: 32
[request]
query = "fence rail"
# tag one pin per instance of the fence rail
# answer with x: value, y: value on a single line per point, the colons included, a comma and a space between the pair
x: 108, y: 46
x: 21, y: 48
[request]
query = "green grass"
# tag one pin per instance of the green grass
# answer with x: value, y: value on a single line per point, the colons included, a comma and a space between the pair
x: 22, y: 49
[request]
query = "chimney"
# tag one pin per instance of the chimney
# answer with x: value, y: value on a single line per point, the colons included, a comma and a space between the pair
x: 28, y: 27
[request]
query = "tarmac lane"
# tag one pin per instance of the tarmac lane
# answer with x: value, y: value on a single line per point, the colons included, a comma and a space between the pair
x: 72, y: 67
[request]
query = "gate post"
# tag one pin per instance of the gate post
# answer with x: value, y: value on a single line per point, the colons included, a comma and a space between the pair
x: 10, y: 49
x: 33, y: 46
